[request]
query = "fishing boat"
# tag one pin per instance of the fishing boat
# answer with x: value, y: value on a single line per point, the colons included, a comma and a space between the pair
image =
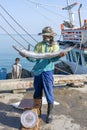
x: 71, y: 35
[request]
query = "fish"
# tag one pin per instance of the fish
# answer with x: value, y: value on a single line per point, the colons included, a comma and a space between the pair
x: 46, y: 55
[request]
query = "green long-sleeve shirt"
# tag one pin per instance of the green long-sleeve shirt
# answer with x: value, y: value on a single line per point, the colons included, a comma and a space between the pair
x: 44, y: 64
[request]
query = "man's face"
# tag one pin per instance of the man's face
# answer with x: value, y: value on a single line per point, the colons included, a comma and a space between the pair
x: 47, y: 38
x: 17, y: 61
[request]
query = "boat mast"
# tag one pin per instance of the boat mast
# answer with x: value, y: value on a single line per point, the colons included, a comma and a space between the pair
x: 80, y: 22
x: 69, y: 6
x: 71, y: 15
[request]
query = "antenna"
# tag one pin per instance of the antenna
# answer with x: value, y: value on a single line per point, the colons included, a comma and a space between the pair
x: 80, y: 22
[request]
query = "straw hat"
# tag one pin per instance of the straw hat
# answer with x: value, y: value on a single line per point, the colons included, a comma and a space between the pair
x: 48, y: 32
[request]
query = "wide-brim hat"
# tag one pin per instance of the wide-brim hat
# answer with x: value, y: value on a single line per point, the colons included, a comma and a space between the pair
x: 47, y: 31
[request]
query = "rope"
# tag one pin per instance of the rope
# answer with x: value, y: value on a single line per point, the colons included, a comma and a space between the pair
x: 17, y: 23
x: 15, y: 30
x: 77, y: 59
x: 40, y: 4
x: 44, y: 7
x: 62, y: 70
x: 12, y: 37
x: 46, y: 17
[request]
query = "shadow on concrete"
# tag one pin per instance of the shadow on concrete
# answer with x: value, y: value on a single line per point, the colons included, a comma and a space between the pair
x: 10, y: 116
x: 9, y: 108
x: 10, y: 121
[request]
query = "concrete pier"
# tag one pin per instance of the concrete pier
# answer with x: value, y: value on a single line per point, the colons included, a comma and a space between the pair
x: 70, y: 114
x: 26, y: 83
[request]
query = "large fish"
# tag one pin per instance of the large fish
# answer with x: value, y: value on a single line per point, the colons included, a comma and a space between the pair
x: 35, y: 55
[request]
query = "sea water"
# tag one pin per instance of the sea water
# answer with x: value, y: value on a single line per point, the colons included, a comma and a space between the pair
x: 8, y: 54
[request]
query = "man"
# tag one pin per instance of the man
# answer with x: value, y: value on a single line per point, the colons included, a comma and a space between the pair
x: 43, y: 69
x: 16, y: 69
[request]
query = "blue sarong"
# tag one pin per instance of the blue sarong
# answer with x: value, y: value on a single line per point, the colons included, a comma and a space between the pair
x: 44, y: 81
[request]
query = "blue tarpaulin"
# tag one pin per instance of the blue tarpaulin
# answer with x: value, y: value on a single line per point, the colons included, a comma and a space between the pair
x: 3, y: 73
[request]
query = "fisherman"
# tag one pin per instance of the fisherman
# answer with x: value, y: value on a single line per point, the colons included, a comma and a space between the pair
x: 43, y: 69
x: 16, y: 69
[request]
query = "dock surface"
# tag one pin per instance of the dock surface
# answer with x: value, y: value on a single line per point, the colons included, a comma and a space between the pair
x: 70, y: 114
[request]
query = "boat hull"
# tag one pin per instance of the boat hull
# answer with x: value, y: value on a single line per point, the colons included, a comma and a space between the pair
x: 77, y: 69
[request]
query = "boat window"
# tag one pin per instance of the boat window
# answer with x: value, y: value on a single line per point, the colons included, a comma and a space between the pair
x: 73, y: 56
x: 69, y: 56
x: 85, y: 58
x: 78, y: 55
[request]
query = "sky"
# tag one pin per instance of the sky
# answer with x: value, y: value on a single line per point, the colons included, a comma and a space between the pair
x: 34, y: 15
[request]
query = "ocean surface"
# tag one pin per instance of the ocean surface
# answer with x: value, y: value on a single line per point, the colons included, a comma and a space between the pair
x: 8, y: 54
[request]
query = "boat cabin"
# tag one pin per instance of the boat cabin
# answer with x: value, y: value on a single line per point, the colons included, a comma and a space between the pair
x: 76, y: 58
